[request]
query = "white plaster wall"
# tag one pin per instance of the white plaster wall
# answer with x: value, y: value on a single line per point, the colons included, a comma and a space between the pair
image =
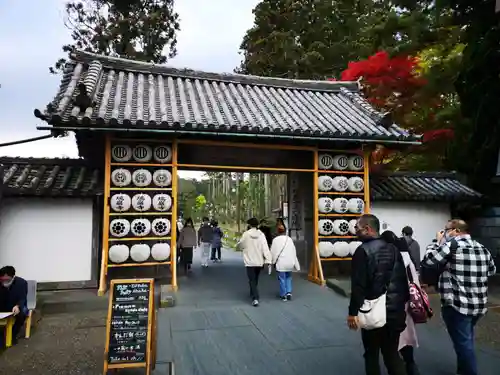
x: 48, y: 240
x: 426, y: 218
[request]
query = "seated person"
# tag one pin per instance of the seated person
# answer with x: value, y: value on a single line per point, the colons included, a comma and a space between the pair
x: 14, y: 290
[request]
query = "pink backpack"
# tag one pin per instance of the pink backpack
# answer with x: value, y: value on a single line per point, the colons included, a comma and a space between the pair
x: 419, y: 306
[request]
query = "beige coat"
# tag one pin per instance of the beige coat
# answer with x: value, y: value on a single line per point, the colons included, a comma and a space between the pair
x: 255, y: 250
x: 284, y: 254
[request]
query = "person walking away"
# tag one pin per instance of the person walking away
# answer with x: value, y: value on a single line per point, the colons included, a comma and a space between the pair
x: 264, y: 228
x: 15, y: 298
x: 281, y: 222
x: 408, y: 339
x: 413, y: 247
x: 205, y: 236
x: 187, y: 242
x: 216, y: 242
x: 463, y: 286
x: 285, y: 260
x: 377, y: 268
x: 256, y: 253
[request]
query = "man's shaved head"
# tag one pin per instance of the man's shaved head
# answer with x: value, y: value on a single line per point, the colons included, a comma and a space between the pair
x: 370, y: 221
x: 367, y: 227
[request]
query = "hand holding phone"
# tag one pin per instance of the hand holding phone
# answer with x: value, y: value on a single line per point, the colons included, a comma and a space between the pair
x: 440, y: 236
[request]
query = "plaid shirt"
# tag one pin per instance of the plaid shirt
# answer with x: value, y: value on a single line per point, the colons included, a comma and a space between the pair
x: 464, y: 283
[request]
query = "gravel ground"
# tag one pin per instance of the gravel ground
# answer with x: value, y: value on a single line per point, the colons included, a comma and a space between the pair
x: 71, y: 343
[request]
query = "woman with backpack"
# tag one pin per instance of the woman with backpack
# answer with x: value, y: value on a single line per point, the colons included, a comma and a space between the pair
x: 408, y: 338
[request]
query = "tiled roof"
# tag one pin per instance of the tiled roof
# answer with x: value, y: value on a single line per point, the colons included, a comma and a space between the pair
x: 136, y: 95
x: 419, y: 186
x: 49, y: 177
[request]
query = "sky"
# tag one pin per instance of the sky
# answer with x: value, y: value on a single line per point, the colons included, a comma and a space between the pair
x: 31, y: 38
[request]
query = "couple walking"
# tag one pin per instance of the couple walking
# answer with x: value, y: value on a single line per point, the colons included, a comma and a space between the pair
x: 382, y: 270
x: 257, y: 254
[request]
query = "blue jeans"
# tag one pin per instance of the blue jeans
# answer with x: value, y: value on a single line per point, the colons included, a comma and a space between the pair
x: 285, y: 279
x: 461, y: 330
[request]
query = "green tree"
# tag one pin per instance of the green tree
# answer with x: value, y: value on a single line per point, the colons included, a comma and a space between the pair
x: 477, y: 84
x: 317, y: 39
x: 136, y: 29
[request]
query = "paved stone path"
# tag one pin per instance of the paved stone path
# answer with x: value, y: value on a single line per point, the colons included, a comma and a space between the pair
x: 214, y: 331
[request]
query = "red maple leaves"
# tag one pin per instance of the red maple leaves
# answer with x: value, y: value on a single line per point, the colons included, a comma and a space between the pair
x: 393, y: 84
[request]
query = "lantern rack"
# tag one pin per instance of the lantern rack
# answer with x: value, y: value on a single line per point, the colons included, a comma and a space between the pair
x: 336, y: 163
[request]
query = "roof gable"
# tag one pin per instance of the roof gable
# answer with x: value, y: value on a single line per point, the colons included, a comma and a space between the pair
x: 142, y: 96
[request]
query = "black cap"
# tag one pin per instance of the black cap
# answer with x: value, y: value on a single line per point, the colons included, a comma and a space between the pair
x: 407, y: 231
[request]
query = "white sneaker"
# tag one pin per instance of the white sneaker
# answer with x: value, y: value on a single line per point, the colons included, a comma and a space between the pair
x: 255, y: 302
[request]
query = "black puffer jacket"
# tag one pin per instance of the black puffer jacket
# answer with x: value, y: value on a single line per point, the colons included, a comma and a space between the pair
x: 378, y: 268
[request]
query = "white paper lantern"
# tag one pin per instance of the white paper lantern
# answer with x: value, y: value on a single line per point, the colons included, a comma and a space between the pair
x: 325, y: 227
x: 325, y: 205
x: 162, y: 202
x: 162, y: 154
x: 162, y: 178
x: 340, y: 205
x: 120, y: 202
x: 142, y: 153
x: 140, y: 227
x: 355, y: 163
x: 325, y: 249
x: 356, y: 184
x: 325, y: 161
x: 141, y: 177
x: 325, y: 183
x: 160, y: 226
x: 356, y: 205
x: 121, y: 177
x: 340, y: 227
x: 340, y: 162
x: 140, y: 252
x: 160, y: 251
x: 118, y: 253
x: 352, y: 226
x: 341, y: 249
x: 121, y: 153
x: 141, y: 202
x: 353, y: 246
x: 119, y: 227
x: 340, y: 183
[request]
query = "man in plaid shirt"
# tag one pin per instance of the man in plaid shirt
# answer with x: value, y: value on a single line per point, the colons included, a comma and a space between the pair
x: 463, y: 286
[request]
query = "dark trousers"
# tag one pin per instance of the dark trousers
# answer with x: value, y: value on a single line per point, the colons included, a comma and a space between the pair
x: 214, y: 251
x: 18, y: 324
x: 253, y: 281
x: 383, y: 340
x: 461, y: 330
x: 186, y: 258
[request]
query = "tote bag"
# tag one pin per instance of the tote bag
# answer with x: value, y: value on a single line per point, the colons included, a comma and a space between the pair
x: 373, y: 313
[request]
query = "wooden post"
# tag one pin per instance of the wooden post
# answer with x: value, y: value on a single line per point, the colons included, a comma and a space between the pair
x: 366, y: 178
x: 173, y: 241
x: 315, y: 270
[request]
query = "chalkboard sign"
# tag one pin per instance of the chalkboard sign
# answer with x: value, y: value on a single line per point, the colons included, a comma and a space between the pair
x: 130, y: 322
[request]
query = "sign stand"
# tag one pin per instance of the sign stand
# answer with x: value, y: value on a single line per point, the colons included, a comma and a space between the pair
x: 131, y: 326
